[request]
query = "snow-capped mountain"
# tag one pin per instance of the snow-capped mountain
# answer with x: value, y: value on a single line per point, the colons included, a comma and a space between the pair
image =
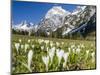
x: 53, y: 19
x: 25, y: 26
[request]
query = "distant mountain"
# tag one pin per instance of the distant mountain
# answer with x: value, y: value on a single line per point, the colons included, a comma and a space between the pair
x: 25, y: 26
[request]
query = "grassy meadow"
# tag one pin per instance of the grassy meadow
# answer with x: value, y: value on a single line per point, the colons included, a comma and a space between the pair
x: 38, y: 54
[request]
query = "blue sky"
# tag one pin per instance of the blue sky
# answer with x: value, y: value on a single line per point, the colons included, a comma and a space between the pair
x: 33, y: 11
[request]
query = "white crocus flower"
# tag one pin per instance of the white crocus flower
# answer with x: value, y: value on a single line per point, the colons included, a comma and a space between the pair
x: 29, y: 40
x: 93, y: 56
x: 65, y: 56
x: 82, y: 46
x: 26, y: 47
x: 51, y: 53
x: 17, y: 45
x: 57, y: 43
x: 69, y: 49
x: 20, y: 40
x: 22, y: 46
x: 92, y: 45
x: 42, y: 47
x: 87, y: 52
x: 72, y: 46
x: 40, y: 41
x: 30, y: 54
x: 32, y: 46
x: 51, y: 43
x: 73, y: 50
x: 46, y: 41
x: 59, y: 55
x: 78, y: 46
x: 78, y: 50
x: 46, y: 61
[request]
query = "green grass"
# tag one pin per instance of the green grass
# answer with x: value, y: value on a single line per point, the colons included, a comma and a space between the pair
x: 75, y: 61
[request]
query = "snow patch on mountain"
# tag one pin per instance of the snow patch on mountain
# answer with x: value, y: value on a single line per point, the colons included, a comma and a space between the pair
x: 65, y: 32
x: 56, y: 10
x: 23, y: 26
x: 78, y: 10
